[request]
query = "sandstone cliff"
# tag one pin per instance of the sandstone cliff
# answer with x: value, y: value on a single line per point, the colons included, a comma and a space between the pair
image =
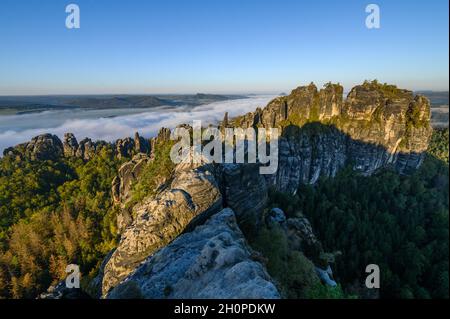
x: 377, y: 125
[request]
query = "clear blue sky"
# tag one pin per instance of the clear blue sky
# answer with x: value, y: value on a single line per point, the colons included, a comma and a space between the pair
x: 219, y: 46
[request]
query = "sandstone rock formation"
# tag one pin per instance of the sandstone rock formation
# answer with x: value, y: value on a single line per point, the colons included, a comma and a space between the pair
x: 42, y: 147
x: 48, y: 146
x: 128, y: 173
x: 212, y: 261
x: 377, y: 125
x: 245, y: 191
x: 141, y: 145
x: 192, y: 196
x: 70, y: 145
x: 128, y: 147
x: 60, y: 291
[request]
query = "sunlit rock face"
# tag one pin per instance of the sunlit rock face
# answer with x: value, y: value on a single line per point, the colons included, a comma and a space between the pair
x: 192, y: 196
x: 377, y: 125
x: 212, y: 261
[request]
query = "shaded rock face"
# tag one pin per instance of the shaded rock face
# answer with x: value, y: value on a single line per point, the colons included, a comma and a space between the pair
x: 86, y: 149
x: 94, y: 288
x: 212, y: 261
x: 245, y: 192
x: 299, y: 233
x: 192, y: 196
x: 125, y: 147
x: 375, y: 126
x: 60, y: 291
x: 304, y: 156
x: 141, y: 145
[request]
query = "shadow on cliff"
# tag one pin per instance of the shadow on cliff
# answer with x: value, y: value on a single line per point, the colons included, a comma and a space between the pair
x: 364, y: 156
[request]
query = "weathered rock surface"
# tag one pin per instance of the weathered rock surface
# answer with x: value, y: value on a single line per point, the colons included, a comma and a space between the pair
x: 245, y: 191
x: 192, y: 196
x: 212, y: 261
x: 141, y: 145
x: 48, y: 146
x: 128, y: 147
x: 60, y: 291
x: 375, y: 126
x: 42, y: 147
x: 70, y: 145
x: 128, y: 173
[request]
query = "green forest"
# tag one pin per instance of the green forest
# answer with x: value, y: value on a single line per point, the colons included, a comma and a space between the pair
x: 398, y: 222
x: 53, y: 213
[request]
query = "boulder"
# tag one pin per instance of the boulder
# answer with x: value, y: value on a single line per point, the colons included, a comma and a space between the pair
x: 192, y: 196
x: 44, y: 147
x: 212, y: 261
x: 60, y: 291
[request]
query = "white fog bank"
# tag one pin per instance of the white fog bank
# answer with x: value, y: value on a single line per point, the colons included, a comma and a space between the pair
x: 110, y: 125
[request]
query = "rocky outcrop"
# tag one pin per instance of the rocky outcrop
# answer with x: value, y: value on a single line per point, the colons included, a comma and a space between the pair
x: 48, y: 146
x: 141, y: 145
x: 60, y: 291
x: 86, y: 150
x: 301, y: 238
x: 165, y: 251
x: 299, y: 233
x: 70, y: 145
x: 128, y: 173
x: 245, y: 191
x: 212, y: 261
x: 124, y: 147
x: 192, y: 196
x: 163, y: 136
x: 376, y: 126
x: 128, y: 147
x: 42, y: 147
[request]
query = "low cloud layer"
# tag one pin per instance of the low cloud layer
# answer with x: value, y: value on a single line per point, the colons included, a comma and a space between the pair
x: 110, y: 129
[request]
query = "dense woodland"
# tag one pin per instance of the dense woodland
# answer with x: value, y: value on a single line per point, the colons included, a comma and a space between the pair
x: 53, y: 213
x: 397, y: 222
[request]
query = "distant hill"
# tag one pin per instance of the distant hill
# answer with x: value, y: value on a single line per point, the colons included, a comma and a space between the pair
x: 26, y: 104
x: 439, y: 107
x: 437, y: 98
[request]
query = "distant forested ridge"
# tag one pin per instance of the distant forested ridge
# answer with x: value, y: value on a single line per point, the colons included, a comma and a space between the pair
x: 27, y: 104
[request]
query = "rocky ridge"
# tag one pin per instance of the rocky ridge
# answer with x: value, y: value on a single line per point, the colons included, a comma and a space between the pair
x: 212, y: 261
x: 377, y: 125
x: 192, y: 196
